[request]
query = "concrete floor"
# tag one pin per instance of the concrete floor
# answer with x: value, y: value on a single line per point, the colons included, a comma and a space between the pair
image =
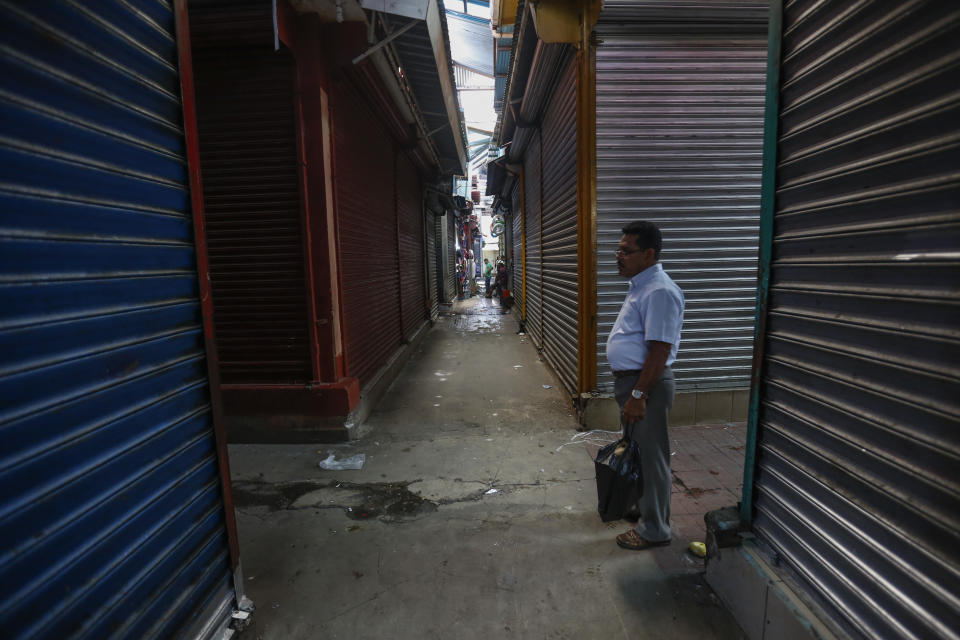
x: 472, y: 516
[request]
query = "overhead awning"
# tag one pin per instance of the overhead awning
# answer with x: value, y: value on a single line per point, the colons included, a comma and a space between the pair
x: 425, y: 59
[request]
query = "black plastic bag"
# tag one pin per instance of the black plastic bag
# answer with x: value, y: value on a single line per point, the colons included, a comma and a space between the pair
x: 619, y: 480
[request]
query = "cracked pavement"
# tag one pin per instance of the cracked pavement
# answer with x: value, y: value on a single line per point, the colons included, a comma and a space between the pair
x: 469, y: 518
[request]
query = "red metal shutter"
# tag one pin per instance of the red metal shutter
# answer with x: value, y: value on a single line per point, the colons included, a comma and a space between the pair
x: 248, y: 153
x: 413, y: 302
x: 367, y: 225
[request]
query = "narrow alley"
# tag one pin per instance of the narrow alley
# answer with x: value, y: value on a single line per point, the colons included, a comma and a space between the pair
x: 474, y: 514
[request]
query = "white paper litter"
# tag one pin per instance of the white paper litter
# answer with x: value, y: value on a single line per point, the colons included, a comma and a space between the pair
x: 595, y: 437
x: 491, y: 491
x: 332, y: 464
x: 518, y: 366
x: 547, y: 386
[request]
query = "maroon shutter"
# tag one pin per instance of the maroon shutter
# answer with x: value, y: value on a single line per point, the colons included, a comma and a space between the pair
x: 248, y: 154
x: 410, y: 234
x: 367, y: 223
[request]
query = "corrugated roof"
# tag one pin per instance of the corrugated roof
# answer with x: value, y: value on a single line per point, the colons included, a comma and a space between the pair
x: 471, y: 43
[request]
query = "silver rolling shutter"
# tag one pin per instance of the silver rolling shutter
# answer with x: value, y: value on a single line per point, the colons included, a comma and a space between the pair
x: 516, y: 222
x: 451, y: 253
x: 679, y: 135
x: 534, y: 294
x: 856, y: 485
x: 430, y: 232
x: 560, y: 229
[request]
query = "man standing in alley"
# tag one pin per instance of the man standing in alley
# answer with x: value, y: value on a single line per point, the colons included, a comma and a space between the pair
x: 642, y: 345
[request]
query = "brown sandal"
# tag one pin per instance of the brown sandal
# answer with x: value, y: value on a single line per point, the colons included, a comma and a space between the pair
x: 635, y: 542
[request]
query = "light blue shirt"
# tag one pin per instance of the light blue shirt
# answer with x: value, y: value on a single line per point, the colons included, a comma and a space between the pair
x: 653, y: 310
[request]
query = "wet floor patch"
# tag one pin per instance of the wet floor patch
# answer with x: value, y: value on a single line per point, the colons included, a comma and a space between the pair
x: 273, y: 496
x: 385, y: 501
x: 478, y: 323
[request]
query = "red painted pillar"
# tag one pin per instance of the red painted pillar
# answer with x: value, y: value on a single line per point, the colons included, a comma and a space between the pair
x: 318, y: 202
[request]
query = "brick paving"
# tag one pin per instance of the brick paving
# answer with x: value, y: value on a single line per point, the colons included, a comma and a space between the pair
x: 707, y: 465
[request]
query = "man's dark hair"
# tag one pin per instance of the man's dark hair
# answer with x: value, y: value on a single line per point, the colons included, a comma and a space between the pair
x: 647, y: 236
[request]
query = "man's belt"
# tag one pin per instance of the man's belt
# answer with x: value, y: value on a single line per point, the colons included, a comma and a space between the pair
x: 628, y: 372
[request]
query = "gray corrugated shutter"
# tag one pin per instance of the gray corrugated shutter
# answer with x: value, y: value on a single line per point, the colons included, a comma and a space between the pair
x: 857, y: 486
x: 451, y: 242
x: 251, y: 190
x: 516, y: 222
x: 559, y: 275
x: 432, y: 264
x: 679, y: 135
x: 534, y: 296
x: 657, y: 14
x: 112, y: 515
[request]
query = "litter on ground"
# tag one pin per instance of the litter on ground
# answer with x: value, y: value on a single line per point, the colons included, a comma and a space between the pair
x: 332, y: 464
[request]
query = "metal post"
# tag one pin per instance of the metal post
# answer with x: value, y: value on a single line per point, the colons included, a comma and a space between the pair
x: 586, y: 124
x: 192, y: 139
x: 767, y: 209
x: 390, y: 38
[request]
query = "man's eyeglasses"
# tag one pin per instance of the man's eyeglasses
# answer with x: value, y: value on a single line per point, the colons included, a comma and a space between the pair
x: 623, y: 253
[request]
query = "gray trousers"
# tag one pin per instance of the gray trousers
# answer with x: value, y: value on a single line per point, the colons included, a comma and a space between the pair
x: 651, y: 434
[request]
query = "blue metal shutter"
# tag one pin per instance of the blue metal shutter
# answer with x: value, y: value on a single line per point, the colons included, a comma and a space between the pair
x: 112, y: 516
x: 858, y: 441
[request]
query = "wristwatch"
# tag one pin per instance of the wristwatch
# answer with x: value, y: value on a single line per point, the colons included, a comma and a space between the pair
x: 639, y: 395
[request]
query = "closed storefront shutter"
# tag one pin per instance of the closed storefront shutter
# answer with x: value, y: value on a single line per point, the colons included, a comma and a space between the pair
x: 856, y: 486
x: 516, y: 222
x: 452, y: 222
x: 367, y: 226
x: 112, y: 516
x: 679, y: 133
x: 432, y: 264
x: 410, y: 225
x: 533, y: 294
x: 559, y: 243
x: 248, y: 149
x: 439, y: 239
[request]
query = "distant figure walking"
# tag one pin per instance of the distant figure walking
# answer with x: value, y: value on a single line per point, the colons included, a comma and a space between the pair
x: 487, y: 274
x: 501, y: 281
